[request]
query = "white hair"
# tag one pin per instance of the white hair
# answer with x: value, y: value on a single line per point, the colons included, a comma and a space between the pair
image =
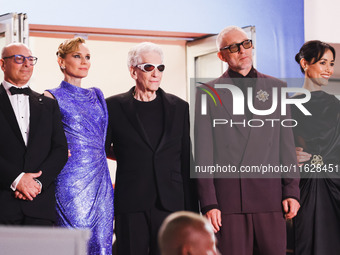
x: 221, y: 35
x: 136, y: 52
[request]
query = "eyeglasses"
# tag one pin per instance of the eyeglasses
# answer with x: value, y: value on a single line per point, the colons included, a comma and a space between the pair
x: 20, y: 59
x: 150, y: 67
x: 236, y: 47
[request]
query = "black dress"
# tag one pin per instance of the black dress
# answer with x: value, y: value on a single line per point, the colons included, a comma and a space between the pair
x: 317, y: 225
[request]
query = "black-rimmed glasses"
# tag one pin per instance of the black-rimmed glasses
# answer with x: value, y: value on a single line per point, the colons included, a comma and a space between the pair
x: 150, y: 67
x: 20, y: 59
x: 236, y: 47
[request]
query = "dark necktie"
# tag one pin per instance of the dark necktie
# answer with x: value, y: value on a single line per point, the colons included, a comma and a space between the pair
x: 15, y: 91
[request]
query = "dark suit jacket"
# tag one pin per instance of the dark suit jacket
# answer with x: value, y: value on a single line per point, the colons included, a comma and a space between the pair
x: 143, y: 173
x: 46, y: 151
x: 244, y: 146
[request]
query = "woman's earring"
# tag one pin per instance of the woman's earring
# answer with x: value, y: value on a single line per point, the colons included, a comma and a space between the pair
x: 305, y: 69
x: 62, y: 67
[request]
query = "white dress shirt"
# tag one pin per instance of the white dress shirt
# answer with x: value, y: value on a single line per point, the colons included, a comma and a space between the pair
x: 21, y: 107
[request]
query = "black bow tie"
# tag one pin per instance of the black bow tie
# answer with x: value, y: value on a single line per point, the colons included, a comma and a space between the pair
x: 15, y: 90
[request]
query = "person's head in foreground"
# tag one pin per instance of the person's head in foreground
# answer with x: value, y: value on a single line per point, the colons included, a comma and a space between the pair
x: 184, y: 233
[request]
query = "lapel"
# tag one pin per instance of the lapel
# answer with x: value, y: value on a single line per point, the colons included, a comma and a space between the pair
x: 263, y: 83
x: 227, y: 99
x: 131, y: 113
x: 36, y: 102
x: 169, y: 110
x: 7, y: 110
x: 129, y: 108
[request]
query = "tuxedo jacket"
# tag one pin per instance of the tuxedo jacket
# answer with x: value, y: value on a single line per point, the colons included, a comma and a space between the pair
x: 240, y: 145
x: 145, y: 174
x: 46, y: 150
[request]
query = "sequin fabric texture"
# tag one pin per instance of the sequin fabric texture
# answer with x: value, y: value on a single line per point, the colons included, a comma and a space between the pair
x: 84, y: 191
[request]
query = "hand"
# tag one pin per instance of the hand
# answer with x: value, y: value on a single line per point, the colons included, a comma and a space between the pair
x: 69, y: 153
x: 290, y: 207
x: 302, y: 156
x: 214, y: 216
x: 19, y: 195
x: 28, y: 187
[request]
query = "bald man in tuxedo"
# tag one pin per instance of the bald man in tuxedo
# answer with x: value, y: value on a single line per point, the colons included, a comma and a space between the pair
x: 33, y: 147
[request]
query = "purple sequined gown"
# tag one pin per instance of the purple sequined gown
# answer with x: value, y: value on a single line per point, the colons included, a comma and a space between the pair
x: 84, y: 189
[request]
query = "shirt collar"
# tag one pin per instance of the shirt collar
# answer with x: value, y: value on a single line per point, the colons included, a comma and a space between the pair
x: 7, y: 85
x: 252, y: 73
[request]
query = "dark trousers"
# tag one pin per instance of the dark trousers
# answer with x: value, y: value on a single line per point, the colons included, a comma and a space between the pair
x: 136, y: 233
x: 248, y: 234
x: 23, y: 220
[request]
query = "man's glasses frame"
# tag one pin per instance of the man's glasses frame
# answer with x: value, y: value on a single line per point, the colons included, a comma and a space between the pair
x: 147, y: 67
x: 233, y: 48
x: 20, y: 59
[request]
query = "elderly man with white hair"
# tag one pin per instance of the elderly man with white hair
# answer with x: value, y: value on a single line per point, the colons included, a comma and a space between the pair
x: 149, y: 135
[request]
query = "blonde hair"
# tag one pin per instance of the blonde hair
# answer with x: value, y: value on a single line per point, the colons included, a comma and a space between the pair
x: 69, y: 46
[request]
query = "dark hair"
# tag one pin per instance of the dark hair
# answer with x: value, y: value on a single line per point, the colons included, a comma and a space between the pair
x: 312, y: 52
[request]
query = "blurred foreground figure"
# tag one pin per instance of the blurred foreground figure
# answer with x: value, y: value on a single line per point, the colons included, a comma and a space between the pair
x: 187, y: 233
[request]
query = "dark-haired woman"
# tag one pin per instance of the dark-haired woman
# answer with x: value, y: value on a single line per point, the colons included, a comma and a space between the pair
x: 317, y: 225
